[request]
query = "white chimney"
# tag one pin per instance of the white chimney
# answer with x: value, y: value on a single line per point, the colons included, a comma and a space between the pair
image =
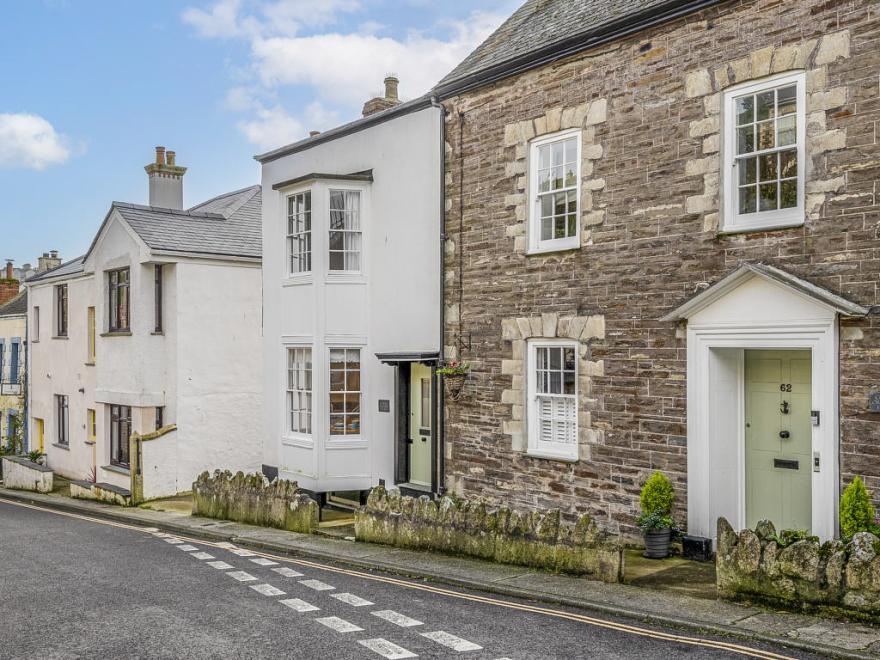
x: 166, y: 180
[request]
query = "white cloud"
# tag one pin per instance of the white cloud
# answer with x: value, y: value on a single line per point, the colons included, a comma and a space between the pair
x: 271, y: 127
x: 29, y: 141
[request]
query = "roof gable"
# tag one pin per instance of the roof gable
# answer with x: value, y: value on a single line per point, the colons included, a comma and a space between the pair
x: 796, y: 285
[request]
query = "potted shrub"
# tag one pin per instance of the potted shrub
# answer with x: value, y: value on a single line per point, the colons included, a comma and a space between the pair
x: 657, y: 499
x: 454, y: 375
x: 856, y: 510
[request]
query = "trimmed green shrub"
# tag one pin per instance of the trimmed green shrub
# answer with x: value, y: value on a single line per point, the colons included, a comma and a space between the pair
x: 856, y: 510
x: 657, y: 496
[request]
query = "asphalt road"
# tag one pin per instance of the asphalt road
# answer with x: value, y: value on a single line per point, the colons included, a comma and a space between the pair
x: 77, y: 588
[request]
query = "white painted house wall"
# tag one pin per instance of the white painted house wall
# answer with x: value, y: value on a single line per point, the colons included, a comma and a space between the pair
x: 394, y: 306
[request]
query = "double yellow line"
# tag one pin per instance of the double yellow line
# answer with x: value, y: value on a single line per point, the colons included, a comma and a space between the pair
x: 534, y: 609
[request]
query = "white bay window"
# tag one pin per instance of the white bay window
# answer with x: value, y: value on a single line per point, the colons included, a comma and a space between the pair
x: 345, y: 392
x: 555, y: 188
x: 764, y: 151
x: 299, y: 233
x: 299, y: 390
x: 552, y: 399
x: 345, y: 231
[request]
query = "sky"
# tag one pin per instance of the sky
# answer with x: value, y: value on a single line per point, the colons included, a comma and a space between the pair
x: 89, y: 88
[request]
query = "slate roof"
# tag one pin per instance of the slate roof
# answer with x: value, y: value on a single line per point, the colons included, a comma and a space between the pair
x: 540, y: 24
x: 68, y: 268
x: 228, y: 225
x: 15, y: 307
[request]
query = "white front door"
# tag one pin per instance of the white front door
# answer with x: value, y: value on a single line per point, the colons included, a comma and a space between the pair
x: 778, y: 437
x: 420, y: 425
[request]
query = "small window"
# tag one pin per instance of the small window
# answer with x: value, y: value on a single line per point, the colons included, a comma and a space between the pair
x: 158, y: 297
x: 764, y: 152
x: 160, y: 417
x: 62, y: 420
x: 90, y: 335
x: 345, y: 230
x: 345, y: 391
x: 426, y: 403
x: 552, y: 398
x: 91, y: 425
x: 118, y: 286
x: 299, y: 390
x: 61, y: 310
x: 554, y: 166
x: 36, y: 324
x: 120, y: 432
x: 299, y: 233
x: 15, y: 363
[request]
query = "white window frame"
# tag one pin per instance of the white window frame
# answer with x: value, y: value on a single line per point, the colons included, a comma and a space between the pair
x: 535, y: 446
x: 536, y: 245
x: 330, y: 230
x: 337, y: 439
x: 288, y: 252
x: 288, y: 392
x: 761, y: 220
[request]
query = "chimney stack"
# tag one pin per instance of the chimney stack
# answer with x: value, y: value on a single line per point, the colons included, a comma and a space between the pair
x: 9, y: 274
x: 166, y: 180
x: 8, y: 284
x: 390, y: 99
x: 48, y: 261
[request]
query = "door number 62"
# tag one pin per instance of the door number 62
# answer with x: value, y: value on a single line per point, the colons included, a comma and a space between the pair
x: 785, y: 387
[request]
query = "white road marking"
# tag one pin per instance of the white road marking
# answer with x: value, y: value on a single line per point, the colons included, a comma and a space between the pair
x: 241, y: 553
x: 222, y: 565
x: 187, y: 548
x: 339, y: 625
x: 299, y: 605
x: 172, y: 540
x: 386, y: 649
x: 264, y: 562
x: 451, y: 641
x: 351, y: 599
x: 317, y: 585
x: 202, y: 555
x: 396, y: 618
x: 151, y: 530
x: 267, y: 590
x: 226, y: 545
x: 287, y: 572
x: 241, y: 576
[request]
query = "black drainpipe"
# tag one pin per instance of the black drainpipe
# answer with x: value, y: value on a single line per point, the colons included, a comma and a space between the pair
x: 441, y: 405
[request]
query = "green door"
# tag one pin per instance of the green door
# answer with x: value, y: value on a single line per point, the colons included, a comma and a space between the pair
x: 778, y: 438
x: 420, y: 425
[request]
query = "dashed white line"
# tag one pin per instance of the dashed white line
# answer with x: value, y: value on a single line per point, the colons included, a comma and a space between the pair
x: 264, y: 562
x: 226, y: 545
x: 317, y: 585
x: 287, y: 572
x: 451, y: 641
x: 172, y: 540
x: 202, y: 555
x: 267, y: 590
x: 241, y: 553
x: 351, y: 599
x: 298, y: 605
x: 151, y: 530
x: 386, y: 649
x: 222, y: 565
x: 241, y: 576
x: 186, y: 548
x: 339, y: 625
x: 397, y: 619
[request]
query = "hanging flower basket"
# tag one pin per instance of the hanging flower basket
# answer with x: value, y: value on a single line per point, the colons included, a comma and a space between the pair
x: 454, y: 377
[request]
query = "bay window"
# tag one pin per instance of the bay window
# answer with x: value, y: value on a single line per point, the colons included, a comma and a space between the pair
x: 345, y: 391
x: 299, y: 390
x: 345, y: 231
x: 299, y: 233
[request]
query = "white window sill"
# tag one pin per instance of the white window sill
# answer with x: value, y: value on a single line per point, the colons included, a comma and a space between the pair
x: 763, y: 226
x: 297, y: 280
x: 562, y: 247
x: 302, y: 441
x: 346, y: 278
x: 345, y: 442
x: 551, y: 456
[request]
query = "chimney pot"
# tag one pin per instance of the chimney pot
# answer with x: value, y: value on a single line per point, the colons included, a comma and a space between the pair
x: 53, y: 254
x: 169, y: 158
x: 9, y: 272
x: 314, y: 133
x: 160, y: 155
x: 391, y: 83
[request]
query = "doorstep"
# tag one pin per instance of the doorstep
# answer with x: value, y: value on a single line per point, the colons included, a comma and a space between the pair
x: 654, y: 605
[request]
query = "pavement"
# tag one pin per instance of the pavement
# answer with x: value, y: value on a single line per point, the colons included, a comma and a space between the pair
x: 568, y: 617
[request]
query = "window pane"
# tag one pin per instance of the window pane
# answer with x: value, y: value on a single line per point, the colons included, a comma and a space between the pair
x: 568, y: 383
x: 786, y: 100
x: 543, y: 180
x: 767, y: 167
x: 767, y: 196
x: 337, y: 261
x: 544, y: 157
x: 745, y: 110
x: 556, y: 177
x: 766, y: 105
x: 788, y: 164
x: 541, y: 355
x: 546, y: 229
x: 786, y: 129
x: 337, y: 424
x: 572, y: 224
x: 745, y: 139
x: 555, y: 382
x: 747, y: 200
x: 569, y: 359
x: 353, y: 381
x: 352, y: 403
x: 558, y: 153
x: 766, y: 135
x: 748, y: 168
x: 337, y: 380
x: 788, y: 194
x: 555, y: 355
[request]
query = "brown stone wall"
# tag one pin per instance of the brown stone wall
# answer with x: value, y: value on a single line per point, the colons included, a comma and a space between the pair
x: 650, y: 240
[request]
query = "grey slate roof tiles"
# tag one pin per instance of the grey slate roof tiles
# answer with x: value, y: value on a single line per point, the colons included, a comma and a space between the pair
x: 539, y: 24
x: 15, y: 307
x: 68, y: 268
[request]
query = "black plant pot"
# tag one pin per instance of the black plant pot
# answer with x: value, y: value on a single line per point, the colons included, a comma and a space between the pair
x: 657, y: 543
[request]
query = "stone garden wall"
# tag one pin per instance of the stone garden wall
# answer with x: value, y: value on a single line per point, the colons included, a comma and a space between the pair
x: 253, y: 499
x: 783, y: 570
x: 455, y: 526
x: 21, y: 474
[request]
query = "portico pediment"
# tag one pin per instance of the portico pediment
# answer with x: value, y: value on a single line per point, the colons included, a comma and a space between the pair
x: 754, y: 291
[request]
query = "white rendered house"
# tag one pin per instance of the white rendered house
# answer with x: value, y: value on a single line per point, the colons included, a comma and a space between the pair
x: 156, y: 328
x: 351, y: 289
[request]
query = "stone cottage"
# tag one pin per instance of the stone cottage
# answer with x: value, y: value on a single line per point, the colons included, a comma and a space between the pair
x: 662, y: 254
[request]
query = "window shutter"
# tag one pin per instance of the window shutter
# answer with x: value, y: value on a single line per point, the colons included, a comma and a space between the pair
x: 557, y: 420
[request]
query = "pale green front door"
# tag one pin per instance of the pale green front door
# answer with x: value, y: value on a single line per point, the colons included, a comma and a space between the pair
x: 420, y: 425
x: 778, y: 438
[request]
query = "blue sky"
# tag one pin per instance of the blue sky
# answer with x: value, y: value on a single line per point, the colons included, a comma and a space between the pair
x: 88, y: 88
